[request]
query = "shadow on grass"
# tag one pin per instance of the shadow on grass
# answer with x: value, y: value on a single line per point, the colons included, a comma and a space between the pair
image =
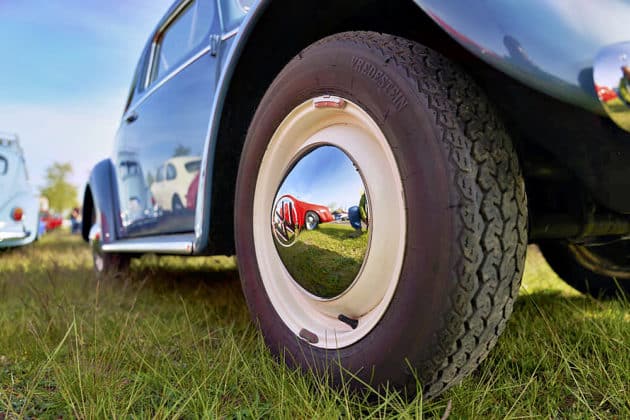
x: 339, y: 231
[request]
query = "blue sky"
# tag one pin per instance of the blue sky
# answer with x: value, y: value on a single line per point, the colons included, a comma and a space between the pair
x: 66, y: 68
x: 325, y: 176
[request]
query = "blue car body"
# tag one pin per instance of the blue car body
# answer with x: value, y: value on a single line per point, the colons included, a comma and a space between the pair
x: 187, y: 108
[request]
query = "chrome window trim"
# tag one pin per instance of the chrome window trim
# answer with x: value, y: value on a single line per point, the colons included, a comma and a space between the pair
x: 160, y: 30
x: 180, y: 244
x: 166, y: 78
x: 217, y: 4
x: 230, y: 34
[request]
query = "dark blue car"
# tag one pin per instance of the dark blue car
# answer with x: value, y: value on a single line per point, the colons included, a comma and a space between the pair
x: 458, y: 131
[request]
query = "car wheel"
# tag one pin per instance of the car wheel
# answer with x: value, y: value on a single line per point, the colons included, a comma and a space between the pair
x: 176, y: 203
x: 430, y: 285
x: 601, y: 271
x: 105, y: 263
x: 311, y: 220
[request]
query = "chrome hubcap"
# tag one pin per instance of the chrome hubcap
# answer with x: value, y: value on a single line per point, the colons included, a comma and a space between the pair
x: 325, y: 261
x: 329, y: 222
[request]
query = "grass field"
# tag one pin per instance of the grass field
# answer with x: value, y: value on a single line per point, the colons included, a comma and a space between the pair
x: 174, y: 339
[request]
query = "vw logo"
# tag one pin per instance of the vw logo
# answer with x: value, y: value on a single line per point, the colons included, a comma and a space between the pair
x: 284, y: 222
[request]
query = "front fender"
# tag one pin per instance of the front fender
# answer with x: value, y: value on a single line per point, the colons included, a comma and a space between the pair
x: 549, y: 45
x: 102, y: 197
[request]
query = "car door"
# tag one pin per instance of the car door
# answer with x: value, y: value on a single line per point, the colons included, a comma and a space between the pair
x: 169, y: 114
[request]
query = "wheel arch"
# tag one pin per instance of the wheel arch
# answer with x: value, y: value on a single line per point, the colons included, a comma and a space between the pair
x: 264, y: 40
x: 87, y: 213
x: 100, y: 197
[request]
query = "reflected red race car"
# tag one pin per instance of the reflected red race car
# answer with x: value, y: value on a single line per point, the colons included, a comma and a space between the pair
x: 605, y: 93
x: 308, y: 214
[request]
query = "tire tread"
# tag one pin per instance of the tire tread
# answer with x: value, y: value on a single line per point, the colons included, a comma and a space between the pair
x: 490, y: 251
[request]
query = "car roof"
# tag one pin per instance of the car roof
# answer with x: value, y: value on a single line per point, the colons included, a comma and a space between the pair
x: 11, y: 142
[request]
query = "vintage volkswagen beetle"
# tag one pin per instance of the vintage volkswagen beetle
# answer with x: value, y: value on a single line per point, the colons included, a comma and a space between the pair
x: 435, y: 119
x: 19, y: 204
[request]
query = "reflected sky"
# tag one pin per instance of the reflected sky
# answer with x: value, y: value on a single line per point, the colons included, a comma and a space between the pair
x: 325, y: 176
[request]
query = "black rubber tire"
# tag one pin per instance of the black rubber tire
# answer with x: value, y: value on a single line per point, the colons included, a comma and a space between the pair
x: 316, y: 220
x: 562, y: 258
x: 465, y: 201
x: 113, y: 264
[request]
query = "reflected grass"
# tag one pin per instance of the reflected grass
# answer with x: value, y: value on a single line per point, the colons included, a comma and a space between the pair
x: 325, y: 261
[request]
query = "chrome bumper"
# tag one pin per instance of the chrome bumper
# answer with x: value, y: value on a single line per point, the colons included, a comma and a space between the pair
x: 12, y: 233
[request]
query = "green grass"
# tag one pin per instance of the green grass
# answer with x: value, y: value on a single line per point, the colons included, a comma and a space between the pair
x: 326, y: 260
x: 174, y: 339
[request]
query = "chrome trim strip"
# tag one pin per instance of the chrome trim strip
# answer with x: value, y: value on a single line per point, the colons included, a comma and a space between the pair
x: 168, y: 77
x: 180, y: 244
x: 230, y: 34
x: 8, y: 235
x: 149, y: 67
x: 173, y: 15
x: 156, y: 34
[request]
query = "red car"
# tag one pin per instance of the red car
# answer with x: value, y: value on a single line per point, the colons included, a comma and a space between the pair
x: 191, y: 194
x: 51, y: 221
x: 307, y: 214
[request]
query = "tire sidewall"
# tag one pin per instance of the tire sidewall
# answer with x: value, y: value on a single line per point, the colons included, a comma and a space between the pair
x: 409, y: 333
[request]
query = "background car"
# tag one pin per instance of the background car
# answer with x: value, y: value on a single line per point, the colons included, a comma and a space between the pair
x: 340, y: 215
x: 133, y: 189
x: 472, y: 127
x: 191, y: 194
x: 308, y: 215
x: 51, y: 221
x: 172, y: 181
x: 18, y: 201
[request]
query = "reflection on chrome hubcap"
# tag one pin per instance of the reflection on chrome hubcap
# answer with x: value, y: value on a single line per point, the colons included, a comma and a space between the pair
x: 285, y: 222
x: 320, y: 222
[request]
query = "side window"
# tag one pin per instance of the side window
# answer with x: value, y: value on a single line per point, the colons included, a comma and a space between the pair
x: 129, y: 168
x: 185, y: 32
x: 4, y: 165
x: 193, y: 166
x: 171, y: 172
x: 159, y: 177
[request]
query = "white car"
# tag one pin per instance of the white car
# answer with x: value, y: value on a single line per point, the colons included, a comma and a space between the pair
x: 172, y: 181
x: 133, y: 189
x: 19, y: 204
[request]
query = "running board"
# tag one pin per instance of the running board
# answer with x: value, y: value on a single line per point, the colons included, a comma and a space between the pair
x: 181, y: 244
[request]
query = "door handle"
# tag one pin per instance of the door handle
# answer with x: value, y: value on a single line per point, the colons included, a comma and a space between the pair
x: 215, y: 40
x: 131, y: 117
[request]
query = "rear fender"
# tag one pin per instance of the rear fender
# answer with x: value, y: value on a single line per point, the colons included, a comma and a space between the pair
x: 29, y: 203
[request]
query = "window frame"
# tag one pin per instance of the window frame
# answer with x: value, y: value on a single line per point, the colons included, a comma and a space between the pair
x: 150, y: 78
